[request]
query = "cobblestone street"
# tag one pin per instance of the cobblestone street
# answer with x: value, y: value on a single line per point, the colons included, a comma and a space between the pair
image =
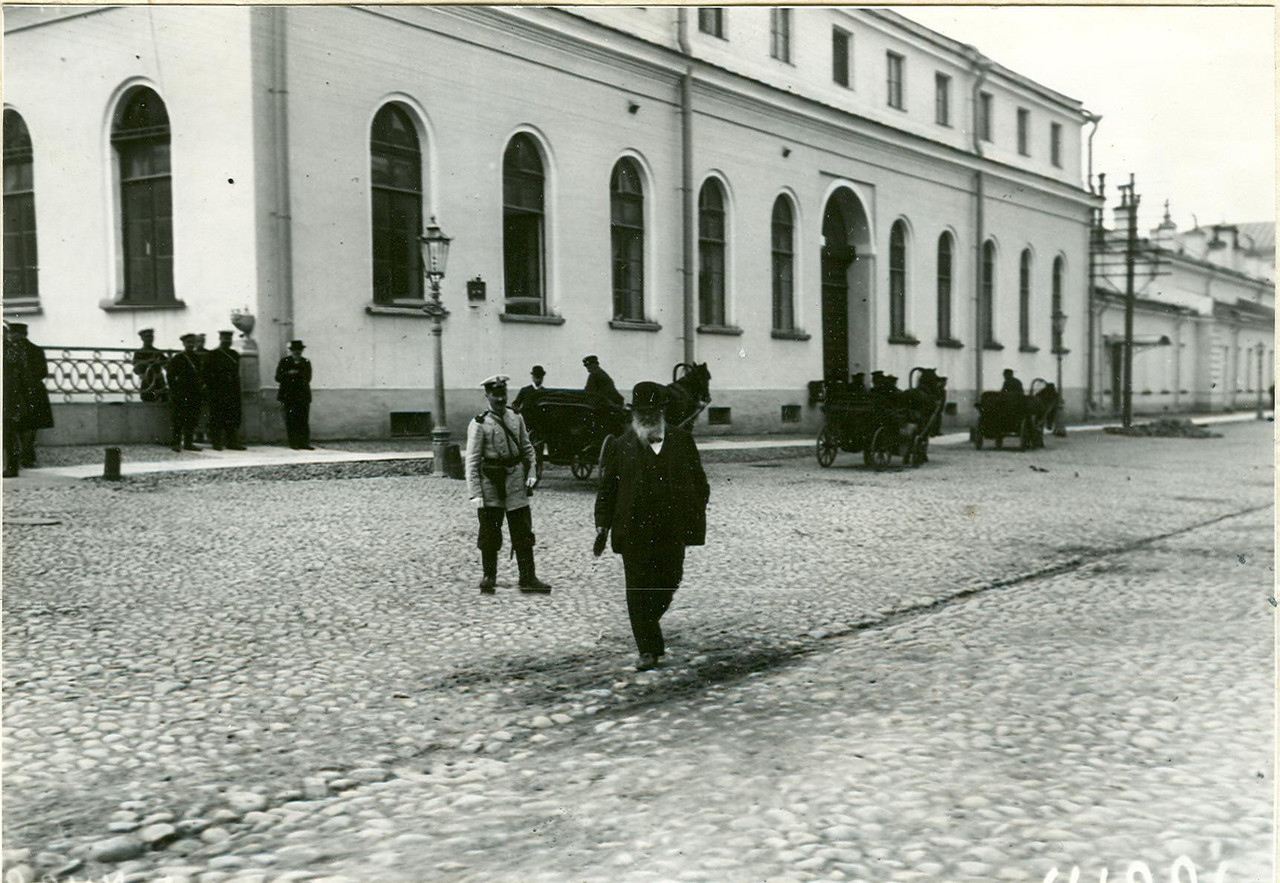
x: 987, y: 668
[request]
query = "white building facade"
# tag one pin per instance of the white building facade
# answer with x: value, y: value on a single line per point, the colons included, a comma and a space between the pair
x: 786, y: 195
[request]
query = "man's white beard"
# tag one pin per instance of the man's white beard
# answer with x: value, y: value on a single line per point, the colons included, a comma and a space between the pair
x: 649, y: 428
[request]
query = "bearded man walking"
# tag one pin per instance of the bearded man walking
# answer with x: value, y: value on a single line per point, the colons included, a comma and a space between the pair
x: 653, y: 498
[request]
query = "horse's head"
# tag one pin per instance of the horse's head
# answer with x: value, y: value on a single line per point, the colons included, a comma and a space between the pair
x: 695, y: 380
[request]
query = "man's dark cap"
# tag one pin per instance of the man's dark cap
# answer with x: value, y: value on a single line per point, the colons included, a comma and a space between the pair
x: 538, y: 371
x: 297, y: 345
x: 587, y: 360
x: 1008, y: 371
x: 17, y: 326
x: 145, y: 331
x: 226, y: 334
x: 648, y: 394
x: 189, y: 336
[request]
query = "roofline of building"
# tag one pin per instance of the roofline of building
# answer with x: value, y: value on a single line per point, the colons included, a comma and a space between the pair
x: 964, y: 49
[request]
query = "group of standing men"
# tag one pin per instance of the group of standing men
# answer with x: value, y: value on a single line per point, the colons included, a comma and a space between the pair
x: 195, y: 377
x: 652, y: 498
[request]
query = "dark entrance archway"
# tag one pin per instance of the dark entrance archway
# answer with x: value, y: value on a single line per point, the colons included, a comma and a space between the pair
x: 847, y: 272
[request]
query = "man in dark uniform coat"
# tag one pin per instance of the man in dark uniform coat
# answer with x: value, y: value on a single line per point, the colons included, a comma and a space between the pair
x: 293, y: 374
x: 38, y: 413
x: 653, y: 497
x: 500, y: 477
x: 222, y: 389
x: 202, y: 421
x: 1011, y: 383
x: 15, y: 402
x: 148, y: 364
x: 599, y: 382
x: 530, y: 392
x: 186, y: 393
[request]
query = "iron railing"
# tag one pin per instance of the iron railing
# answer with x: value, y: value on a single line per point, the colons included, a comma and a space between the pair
x: 104, y: 373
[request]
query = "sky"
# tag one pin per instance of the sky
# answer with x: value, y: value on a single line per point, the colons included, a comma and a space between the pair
x: 1187, y: 95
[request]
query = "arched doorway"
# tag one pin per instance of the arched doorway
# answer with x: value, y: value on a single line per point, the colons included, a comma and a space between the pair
x: 847, y: 272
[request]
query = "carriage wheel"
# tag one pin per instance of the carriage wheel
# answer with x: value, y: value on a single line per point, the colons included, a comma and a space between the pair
x: 827, y: 448
x: 581, y: 468
x: 881, y: 453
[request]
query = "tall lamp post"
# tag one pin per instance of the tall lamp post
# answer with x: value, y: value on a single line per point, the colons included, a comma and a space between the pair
x: 435, y: 254
x: 1059, y: 326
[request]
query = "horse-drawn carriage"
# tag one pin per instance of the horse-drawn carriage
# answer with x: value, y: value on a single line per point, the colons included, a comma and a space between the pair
x: 568, y: 427
x: 1002, y: 414
x: 883, y: 422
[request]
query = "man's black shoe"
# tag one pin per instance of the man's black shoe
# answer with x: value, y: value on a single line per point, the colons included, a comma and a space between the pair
x: 11, y: 473
x: 236, y: 448
x: 177, y: 449
x: 217, y: 447
x: 487, y: 584
x: 535, y: 586
x: 190, y: 448
x: 646, y: 662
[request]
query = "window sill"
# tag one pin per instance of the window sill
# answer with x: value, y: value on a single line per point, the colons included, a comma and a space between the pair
x: 719, y: 329
x: 23, y: 306
x: 1028, y: 348
x: 950, y: 343
x: 115, y: 306
x: 634, y: 325
x: 521, y: 319
x: 903, y: 340
x: 992, y: 345
x: 413, y: 309
x: 789, y: 334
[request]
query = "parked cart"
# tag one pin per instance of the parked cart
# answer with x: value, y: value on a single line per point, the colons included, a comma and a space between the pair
x: 1004, y: 414
x: 883, y: 422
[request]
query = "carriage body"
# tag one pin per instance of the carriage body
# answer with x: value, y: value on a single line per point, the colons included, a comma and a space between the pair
x: 882, y: 423
x: 1003, y: 414
x: 568, y: 426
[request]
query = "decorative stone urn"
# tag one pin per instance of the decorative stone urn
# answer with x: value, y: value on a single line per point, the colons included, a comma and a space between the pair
x: 244, y: 321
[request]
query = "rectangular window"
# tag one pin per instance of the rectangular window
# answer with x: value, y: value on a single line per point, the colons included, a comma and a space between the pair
x: 1024, y: 125
x: 20, y: 279
x: 895, y: 80
x: 711, y: 21
x: 984, y: 116
x: 942, y: 99
x: 840, y: 56
x: 1055, y: 144
x: 780, y: 27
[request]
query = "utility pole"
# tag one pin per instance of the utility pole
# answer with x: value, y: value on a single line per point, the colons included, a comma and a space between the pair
x: 1130, y: 198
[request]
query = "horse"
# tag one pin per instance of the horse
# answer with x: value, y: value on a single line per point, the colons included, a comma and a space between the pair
x: 688, y: 393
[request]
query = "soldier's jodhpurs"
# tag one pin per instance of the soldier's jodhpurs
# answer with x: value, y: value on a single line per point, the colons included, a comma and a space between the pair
x: 519, y: 523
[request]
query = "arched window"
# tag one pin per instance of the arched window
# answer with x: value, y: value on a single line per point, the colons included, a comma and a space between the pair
x: 988, y: 298
x: 523, y: 208
x: 141, y: 139
x: 1057, y: 304
x: 395, y: 179
x: 1024, y: 300
x: 945, y: 251
x: 898, y: 280
x: 711, y: 260
x: 20, y: 279
x: 626, y: 202
x: 784, y: 312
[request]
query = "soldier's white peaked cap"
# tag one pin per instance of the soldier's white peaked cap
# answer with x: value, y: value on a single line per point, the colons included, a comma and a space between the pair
x: 495, y: 380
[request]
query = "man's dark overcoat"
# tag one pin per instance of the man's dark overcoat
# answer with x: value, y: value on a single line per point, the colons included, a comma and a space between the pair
x: 633, y: 479
x: 38, y: 413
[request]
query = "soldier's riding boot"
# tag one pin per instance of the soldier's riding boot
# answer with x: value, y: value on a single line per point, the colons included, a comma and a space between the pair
x: 489, y: 560
x: 529, y: 582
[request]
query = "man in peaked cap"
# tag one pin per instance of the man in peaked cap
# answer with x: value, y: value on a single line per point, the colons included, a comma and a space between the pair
x: 222, y: 388
x: 39, y: 412
x: 500, y: 470
x: 599, y: 383
x: 293, y: 374
x: 148, y: 364
x: 186, y: 393
x: 653, y: 498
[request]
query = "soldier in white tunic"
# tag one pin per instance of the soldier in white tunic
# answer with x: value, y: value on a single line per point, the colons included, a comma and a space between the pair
x: 500, y: 480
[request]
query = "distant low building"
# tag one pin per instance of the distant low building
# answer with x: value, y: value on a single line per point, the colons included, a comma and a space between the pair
x: 1204, y: 317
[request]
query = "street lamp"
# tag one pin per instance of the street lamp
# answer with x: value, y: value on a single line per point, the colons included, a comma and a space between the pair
x: 1059, y: 326
x: 435, y: 254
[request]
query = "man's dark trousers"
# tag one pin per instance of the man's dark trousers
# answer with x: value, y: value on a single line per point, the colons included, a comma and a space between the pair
x: 297, y: 423
x: 652, y: 578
